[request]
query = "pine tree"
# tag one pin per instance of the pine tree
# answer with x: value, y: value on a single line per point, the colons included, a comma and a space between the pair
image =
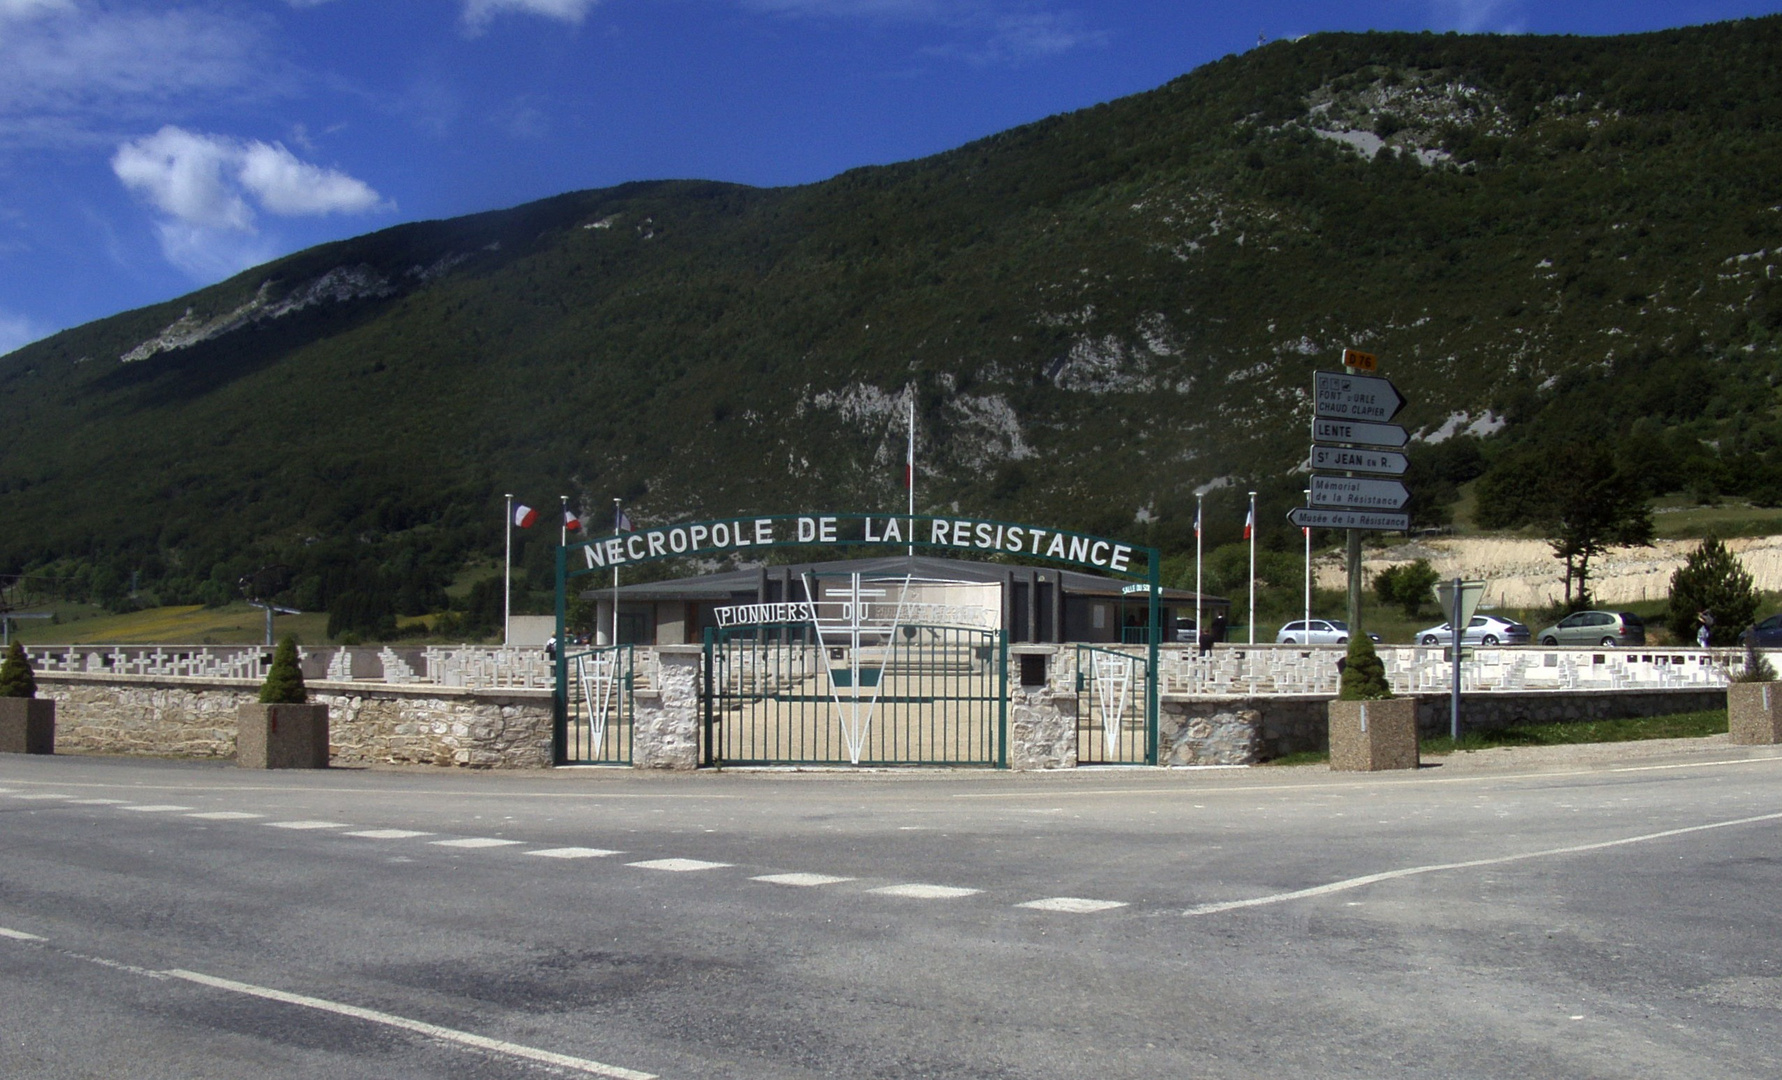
x: 16, y: 679
x: 284, y: 682
x: 1711, y: 580
x: 1757, y: 666
x: 1364, y: 675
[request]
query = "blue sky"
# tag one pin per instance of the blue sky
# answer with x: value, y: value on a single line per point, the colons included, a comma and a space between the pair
x: 150, y: 148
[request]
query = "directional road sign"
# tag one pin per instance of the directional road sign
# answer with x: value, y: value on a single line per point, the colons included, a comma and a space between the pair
x: 1325, y: 429
x: 1380, y: 520
x: 1358, y: 493
x: 1361, y: 459
x: 1354, y: 397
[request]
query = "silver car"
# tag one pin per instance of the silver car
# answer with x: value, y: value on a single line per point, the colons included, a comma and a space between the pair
x: 1606, y: 628
x: 1486, y: 630
x: 1315, y: 632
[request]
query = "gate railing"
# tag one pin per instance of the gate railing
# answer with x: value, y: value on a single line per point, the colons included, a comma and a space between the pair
x: 600, y: 710
x: 1115, y: 725
x: 918, y: 695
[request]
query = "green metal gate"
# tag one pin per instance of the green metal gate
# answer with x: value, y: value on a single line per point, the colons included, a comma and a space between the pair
x: 909, y: 695
x: 1115, y: 722
x: 601, y: 685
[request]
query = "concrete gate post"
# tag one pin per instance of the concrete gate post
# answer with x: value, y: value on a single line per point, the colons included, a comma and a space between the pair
x: 665, y: 721
x: 1754, y: 713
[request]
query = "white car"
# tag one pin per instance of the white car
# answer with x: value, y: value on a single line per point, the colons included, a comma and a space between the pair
x: 1315, y: 632
x: 1486, y: 630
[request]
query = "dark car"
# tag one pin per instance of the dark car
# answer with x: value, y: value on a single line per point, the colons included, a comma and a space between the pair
x: 1765, y: 635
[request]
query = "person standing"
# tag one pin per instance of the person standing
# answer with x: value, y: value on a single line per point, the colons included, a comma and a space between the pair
x: 1704, y: 631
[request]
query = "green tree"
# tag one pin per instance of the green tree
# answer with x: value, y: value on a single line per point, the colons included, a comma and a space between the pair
x: 1406, y: 585
x: 1364, y: 676
x: 284, y: 681
x: 16, y: 679
x: 1579, y: 499
x: 1711, y: 580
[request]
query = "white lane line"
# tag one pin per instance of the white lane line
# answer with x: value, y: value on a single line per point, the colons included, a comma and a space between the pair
x: 157, y: 808
x: 99, y: 802
x: 678, y: 866
x: 420, y: 1027
x: 42, y: 795
x: 1074, y: 905
x: 305, y: 824
x: 802, y: 880
x: 225, y: 815
x: 475, y: 842
x: 925, y: 892
x: 1413, y: 871
x: 18, y: 935
x: 574, y: 853
x: 388, y: 834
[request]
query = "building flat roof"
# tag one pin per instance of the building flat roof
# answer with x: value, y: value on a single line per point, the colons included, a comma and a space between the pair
x: 724, y: 586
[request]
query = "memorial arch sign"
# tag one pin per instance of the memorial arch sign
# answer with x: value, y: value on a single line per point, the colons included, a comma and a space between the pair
x: 863, y: 671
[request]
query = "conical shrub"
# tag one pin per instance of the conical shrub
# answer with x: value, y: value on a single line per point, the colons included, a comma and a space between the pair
x: 16, y: 679
x: 284, y: 682
x: 1364, y: 675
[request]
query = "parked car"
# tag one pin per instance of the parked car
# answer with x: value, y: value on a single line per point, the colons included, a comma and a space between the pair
x: 1316, y: 632
x: 1605, y: 628
x: 1487, y: 630
x: 1765, y: 635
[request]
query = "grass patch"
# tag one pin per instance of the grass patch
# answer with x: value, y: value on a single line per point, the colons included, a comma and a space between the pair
x: 1303, y: 757
x: 1691, y: 725
x: 236, y: 624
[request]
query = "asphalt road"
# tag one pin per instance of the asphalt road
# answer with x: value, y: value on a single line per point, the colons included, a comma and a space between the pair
x: 166, y: 919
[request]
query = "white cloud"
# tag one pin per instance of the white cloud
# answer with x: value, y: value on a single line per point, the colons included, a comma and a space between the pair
x: 986, y: 31
x: 478, y: 13
x: 17, y: 331
x: 1475, y: 16
x: 67, y: 73
x: 204, y: 186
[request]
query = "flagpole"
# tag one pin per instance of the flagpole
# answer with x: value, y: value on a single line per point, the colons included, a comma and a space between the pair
x: 1199, y: 627
x: 617, y: 512
x: 909, y: 472
x: 507, y: 576
x: 1250, y: 527
x: 563, y: 521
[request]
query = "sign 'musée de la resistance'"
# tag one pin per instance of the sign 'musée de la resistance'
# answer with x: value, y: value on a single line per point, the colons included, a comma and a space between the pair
x: 737, y: 535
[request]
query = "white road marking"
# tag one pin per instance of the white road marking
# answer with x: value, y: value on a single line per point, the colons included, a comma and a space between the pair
x: 1074, y: 905
x: 925, y: 892
x: 225, y: 815
x: 42, y: 795
x: 475, y: 842
x: 388, y: 834
x: 805, y: 880
x: 420, y: 1027
x: 1413, y: 871
x: 155, y: 809
x: 574, y: 853
x: 98, y: 802
x: 305, y: 824
x: 18, y: 935
x: 678, y: 865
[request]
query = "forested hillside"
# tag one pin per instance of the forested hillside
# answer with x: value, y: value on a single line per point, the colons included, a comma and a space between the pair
x: 1543, y: 239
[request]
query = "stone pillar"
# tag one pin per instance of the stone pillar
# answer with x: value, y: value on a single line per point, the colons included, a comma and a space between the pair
x: 27, y: 725
x: 1754, y: 713
x: 1042, y: 720
x: 1370, y: 736
x: 281, y: 736
x: 665, y: 722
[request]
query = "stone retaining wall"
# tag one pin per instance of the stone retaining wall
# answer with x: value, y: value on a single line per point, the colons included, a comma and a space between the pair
x: 175, y: 717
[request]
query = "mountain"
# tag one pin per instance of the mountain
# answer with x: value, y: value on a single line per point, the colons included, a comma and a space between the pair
x: 1543, y: 238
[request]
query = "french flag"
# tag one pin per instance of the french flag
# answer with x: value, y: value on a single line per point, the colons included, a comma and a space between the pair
x: 1250, y: 523
x: 524, y: 515
x: 624, y: 522
x: 1197, y: 521
x: 570, y: 521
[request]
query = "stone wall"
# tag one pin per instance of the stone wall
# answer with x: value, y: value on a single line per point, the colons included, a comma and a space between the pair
x: 1042, y: 728
x: 665, y: 721
x: 175, y: 717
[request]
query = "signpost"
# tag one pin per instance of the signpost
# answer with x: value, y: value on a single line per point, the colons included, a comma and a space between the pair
x: 1459, y: 599
x: 1351, y: 435
x: 1325, y: 429
x: 1359, y: 493
x: 1360, y: 459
